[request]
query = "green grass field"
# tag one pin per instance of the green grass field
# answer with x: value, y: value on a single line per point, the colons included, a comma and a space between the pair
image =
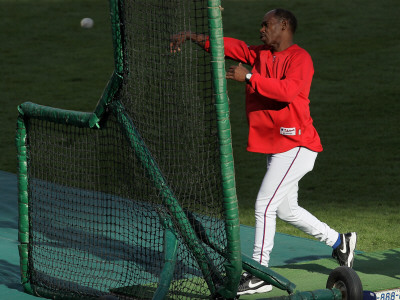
x: 47, y: 58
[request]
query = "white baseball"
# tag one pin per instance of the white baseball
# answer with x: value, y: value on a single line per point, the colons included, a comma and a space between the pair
x: 87, y: 23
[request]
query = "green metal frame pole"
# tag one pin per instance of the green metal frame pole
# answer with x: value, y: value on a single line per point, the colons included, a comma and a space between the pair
x: 23, y: 205
x: 233, y: 266
x: 184, y: 227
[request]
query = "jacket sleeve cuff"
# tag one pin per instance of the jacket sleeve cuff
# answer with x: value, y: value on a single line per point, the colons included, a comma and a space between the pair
x: 207, y: 44
x: 253, y: 80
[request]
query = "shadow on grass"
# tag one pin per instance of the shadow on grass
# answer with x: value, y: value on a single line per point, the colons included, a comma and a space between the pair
x: 295, y: 260
x: 381, y: 263
x: 313, y: 267
x: 386, y: 263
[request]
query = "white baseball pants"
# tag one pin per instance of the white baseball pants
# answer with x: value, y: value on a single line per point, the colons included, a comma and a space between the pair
x: 278, y: 197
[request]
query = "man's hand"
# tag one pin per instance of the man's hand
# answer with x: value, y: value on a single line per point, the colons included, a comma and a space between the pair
x: 237, y: 73
x: 177, y: 40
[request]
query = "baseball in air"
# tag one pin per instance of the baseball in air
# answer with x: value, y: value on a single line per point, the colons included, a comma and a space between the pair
x: 87, y: 23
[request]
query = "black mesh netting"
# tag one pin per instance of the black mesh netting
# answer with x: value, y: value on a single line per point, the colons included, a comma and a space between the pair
x: 94, y: 211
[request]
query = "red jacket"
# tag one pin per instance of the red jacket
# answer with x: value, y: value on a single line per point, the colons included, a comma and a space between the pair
x: 277, y: 104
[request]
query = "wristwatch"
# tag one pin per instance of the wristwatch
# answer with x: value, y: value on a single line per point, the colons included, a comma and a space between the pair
x: 248, y: 76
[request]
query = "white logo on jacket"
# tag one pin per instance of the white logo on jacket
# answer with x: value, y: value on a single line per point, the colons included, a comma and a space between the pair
x: 289, y: 131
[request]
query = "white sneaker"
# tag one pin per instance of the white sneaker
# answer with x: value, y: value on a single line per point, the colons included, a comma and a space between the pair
x: 250, y: 284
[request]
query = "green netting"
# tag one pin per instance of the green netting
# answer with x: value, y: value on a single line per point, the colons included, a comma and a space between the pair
x: 136, y: 200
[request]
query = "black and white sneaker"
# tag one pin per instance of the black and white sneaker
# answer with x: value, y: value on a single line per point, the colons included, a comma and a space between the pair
x: 250, y: 284
x: 344, y: 253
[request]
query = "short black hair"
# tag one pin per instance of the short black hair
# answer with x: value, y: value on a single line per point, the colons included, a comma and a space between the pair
x: 281, y: 13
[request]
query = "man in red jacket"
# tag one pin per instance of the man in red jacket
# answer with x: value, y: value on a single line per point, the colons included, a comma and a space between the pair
x: 280, y: 125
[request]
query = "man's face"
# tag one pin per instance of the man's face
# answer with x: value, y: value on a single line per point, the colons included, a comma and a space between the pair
x: 271, y: 29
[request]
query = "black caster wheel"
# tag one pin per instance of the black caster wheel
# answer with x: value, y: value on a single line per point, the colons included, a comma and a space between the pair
x: 347, y: 281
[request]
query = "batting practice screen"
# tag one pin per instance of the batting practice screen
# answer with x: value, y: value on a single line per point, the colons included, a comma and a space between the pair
x: 137, y: 199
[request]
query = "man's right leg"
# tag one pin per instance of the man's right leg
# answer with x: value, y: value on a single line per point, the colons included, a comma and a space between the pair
x: 283, y: 171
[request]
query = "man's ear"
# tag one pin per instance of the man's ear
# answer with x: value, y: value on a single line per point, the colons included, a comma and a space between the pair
x: 284, y: 24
